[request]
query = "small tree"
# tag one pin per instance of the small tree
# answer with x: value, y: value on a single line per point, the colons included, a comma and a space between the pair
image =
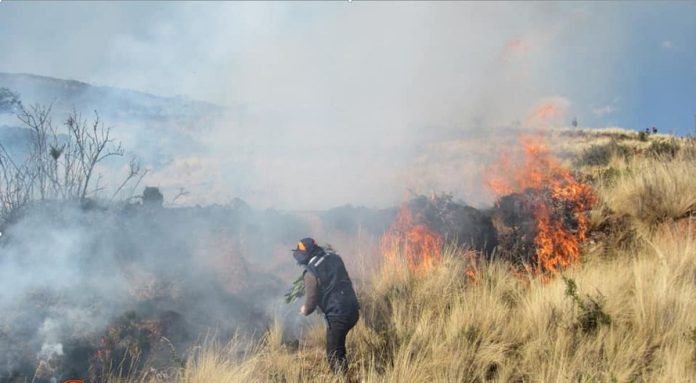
x: 61, y: 162
x: 14, y: 185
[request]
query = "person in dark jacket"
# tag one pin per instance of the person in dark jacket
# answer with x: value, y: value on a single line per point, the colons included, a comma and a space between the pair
x: 328, y: 286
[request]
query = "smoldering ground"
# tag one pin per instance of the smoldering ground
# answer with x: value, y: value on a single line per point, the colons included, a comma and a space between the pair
x: 88, y: 288
x: 82, y: 285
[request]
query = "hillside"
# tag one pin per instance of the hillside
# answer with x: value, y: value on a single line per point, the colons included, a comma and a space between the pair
x: 156, y: 130
x: 583, y: 236
x: 624, y: 312
x: 146, y: 123
x: 119, y: 105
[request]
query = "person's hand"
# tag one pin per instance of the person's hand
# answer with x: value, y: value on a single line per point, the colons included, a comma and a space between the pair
x: 302, y: 310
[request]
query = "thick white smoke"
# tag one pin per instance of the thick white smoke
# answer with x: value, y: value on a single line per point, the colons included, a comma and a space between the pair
x: 329, y: 103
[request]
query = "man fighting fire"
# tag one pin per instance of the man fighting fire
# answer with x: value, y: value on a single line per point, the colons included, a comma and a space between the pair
x: 328, y: 286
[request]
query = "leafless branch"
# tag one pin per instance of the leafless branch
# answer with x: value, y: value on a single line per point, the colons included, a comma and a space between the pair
x: 61, y: 162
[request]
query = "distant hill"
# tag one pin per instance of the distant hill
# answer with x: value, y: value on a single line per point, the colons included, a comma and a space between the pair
x: 157, y: 129
x: 122, y: 105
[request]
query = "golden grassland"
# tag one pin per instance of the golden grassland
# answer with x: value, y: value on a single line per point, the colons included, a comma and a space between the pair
x: 625, y: 313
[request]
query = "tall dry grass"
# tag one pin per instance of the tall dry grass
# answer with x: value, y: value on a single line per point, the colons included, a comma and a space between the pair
x: 643, y: 193
x: 653, y: 191
x: 444, y: 327
x: 632, y: 317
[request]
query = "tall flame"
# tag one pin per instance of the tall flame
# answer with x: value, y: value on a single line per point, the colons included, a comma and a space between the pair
x: 555, y: 194
x: 415, y: 243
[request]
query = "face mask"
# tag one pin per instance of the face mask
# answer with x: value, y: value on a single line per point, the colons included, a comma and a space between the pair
x: 302, y: 257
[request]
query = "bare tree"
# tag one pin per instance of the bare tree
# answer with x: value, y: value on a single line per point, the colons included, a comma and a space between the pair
x: 182, y: 193
x: 93, y: 144
x: 13, y: 185
x: 62, y: 161
x: 134, y: 170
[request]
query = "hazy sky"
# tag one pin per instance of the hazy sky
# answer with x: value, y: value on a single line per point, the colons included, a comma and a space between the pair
x: 365, y: 78
x: 631, y: 64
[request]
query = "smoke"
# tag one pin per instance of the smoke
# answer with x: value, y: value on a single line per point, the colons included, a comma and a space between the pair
x: 69, y: 275
x: 322, y: 104
x: 328, y: 103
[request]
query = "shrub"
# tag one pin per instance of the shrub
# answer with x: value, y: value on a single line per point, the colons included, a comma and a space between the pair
x: 609, y: 175
x: 591, y: 313
x: 664, y: 148
x: 601, y: 155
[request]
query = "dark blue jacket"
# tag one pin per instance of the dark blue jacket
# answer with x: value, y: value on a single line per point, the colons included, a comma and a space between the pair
x: 335, y: 294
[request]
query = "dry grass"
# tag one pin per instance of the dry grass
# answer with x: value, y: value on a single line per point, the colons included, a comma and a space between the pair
x: 648, y: 190
x: 442, y: 327
x: 654, y: 191
x: 500, y: 327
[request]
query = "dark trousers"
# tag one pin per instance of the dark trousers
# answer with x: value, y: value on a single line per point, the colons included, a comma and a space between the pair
x: 336, y: 331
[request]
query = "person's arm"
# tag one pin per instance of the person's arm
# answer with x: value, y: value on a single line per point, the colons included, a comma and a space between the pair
x: 310, y: 285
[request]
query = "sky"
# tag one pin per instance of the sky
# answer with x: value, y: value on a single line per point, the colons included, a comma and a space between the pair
x: 350, y: 80
x: 625, y: 64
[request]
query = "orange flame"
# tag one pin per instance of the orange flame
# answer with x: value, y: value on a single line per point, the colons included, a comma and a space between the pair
x: 546, y: 113
x: 556, y: 192
x: 470, y: 270
x: 414, y: 242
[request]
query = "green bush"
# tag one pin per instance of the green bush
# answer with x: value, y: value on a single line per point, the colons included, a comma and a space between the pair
x: 609, y: 175
x: 601, y: 155
x: 590, y: 314
x: 664, y: 148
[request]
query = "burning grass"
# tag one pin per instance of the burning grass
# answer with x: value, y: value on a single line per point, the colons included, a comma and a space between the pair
x: 534, y: 184
x: 440, y: 327
x: 423, y: 224
x: 419, y: 246
x: 628, y: 317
